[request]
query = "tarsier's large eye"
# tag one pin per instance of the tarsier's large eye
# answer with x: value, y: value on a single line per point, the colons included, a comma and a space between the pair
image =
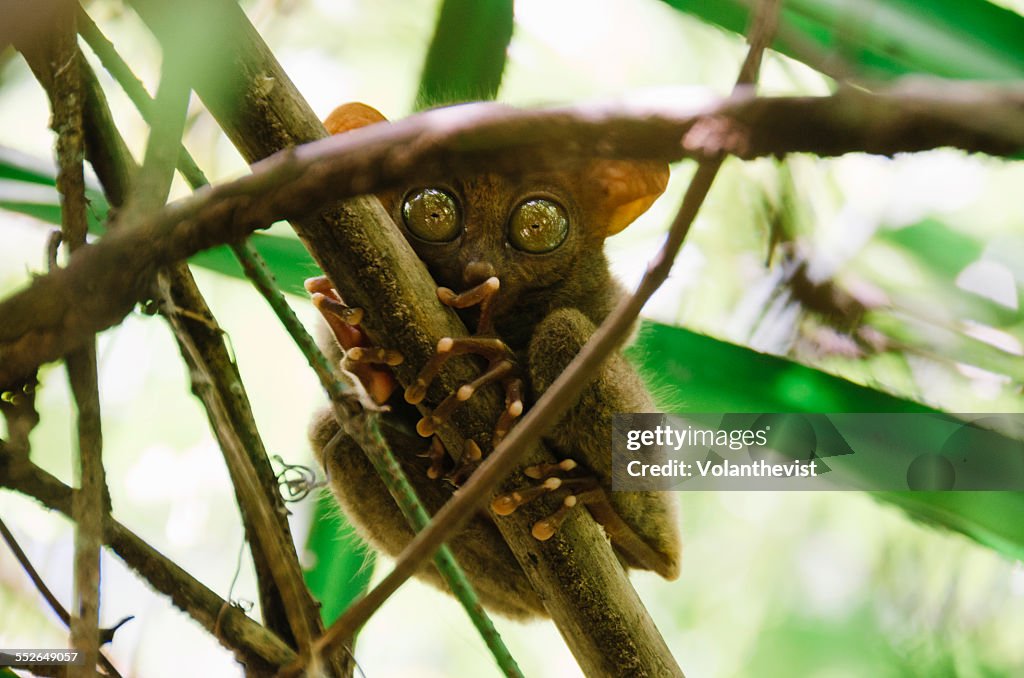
x: 431, y: 214
x: 538, y: 225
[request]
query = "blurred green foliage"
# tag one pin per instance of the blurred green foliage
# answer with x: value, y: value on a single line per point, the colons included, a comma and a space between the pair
x: 344, y: 564
x: 967, y: 39
x: 466, y: 58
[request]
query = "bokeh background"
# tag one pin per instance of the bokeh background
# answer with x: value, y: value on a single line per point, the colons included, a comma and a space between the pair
x: 927, y: 251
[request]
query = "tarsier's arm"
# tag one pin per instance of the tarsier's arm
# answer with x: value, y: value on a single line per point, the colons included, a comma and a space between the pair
x: 642, y: 525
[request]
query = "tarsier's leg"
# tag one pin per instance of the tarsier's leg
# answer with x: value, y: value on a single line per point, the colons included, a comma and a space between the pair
x: 479, y: 548
x: 642, y: 525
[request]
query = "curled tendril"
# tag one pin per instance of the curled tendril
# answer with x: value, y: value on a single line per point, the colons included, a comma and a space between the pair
x: 296, y: 481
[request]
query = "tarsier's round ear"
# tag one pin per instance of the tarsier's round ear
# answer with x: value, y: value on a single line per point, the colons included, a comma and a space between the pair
x: 622, y: 190
x: 352, y: 116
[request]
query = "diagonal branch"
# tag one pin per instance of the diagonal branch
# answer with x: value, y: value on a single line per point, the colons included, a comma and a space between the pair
x: 45, y: 591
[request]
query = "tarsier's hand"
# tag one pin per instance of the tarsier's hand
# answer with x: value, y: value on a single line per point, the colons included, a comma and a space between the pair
x: 371, y: 365
x: 501, y: 367
x: 368, y: 363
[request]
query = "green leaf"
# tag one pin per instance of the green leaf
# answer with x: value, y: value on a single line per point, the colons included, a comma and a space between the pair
x: 343, y: 563
x: 941, y: 254
x: 695, y: 373
x: 967, y: 39
x: 28, y: 186
x: 467, y: 54
x: 995, y: 519
x: 43, y: 203
x: 945, y: 250
x: 22, y: 167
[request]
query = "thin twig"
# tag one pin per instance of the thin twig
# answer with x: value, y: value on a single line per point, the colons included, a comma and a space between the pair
x: 45, y: 591
x: 66, y: 103
x: 119, y: 69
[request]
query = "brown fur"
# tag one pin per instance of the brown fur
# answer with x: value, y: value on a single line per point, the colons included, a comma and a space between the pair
x: 548, y: 306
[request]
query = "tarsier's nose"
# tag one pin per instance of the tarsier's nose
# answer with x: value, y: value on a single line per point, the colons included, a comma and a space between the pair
x: 476, y: 272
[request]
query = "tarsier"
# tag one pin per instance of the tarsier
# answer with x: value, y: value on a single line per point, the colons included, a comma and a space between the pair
x: 522, y: 258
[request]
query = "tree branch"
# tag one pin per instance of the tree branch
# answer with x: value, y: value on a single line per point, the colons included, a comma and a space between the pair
x: 46, y: 593
x: 254, y: 646
x: 58, y: 311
